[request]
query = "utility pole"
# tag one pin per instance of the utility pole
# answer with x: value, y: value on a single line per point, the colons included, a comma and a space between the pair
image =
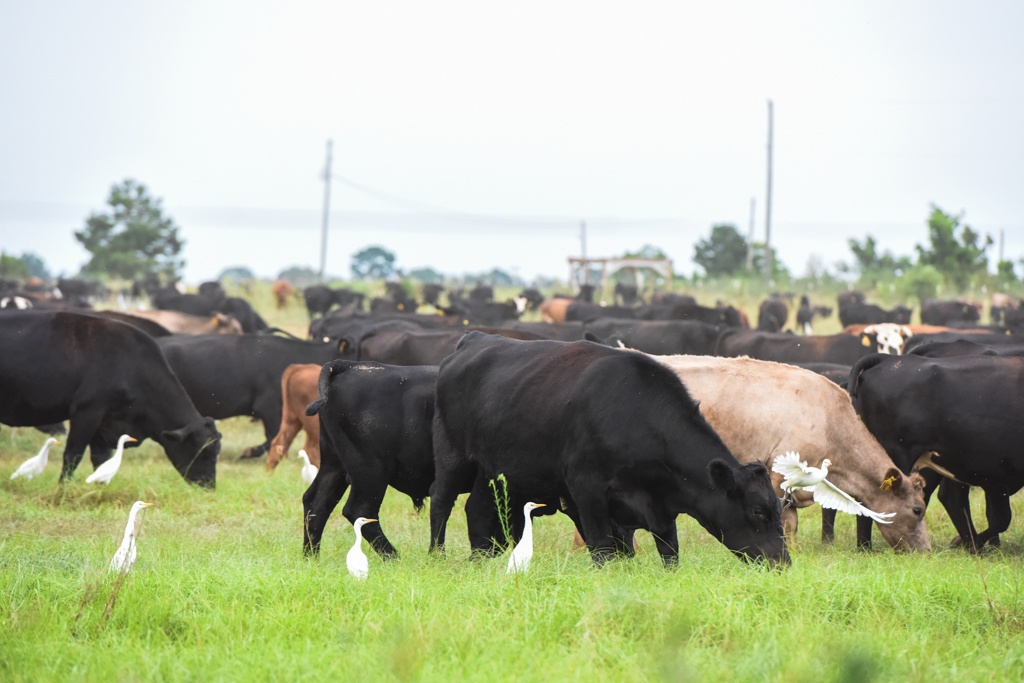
x: 768, y: 205
x: 583, y: 252
x: 327, y: 211
x: 750, y: 236
x: 1002, y: 244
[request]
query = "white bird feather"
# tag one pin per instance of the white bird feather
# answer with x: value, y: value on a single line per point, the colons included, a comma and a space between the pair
x: 124, y: 558
x: 106, y: 471
x: 797, y: 475
x: 309, y: 470
x: 37, y: 463
x: 519, y: 560
x: 356, y: 561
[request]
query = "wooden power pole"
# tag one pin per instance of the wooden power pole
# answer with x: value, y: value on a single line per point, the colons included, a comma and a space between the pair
x: 327, y: 211
x: 768, y: 205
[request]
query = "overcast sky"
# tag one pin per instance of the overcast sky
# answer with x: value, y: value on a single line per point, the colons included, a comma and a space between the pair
x: 648, y: 120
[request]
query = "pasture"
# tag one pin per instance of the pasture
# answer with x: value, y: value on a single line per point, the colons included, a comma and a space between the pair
x: 221, y: 591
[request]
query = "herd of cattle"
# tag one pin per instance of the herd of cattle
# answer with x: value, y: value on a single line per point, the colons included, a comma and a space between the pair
x: 620, y: 416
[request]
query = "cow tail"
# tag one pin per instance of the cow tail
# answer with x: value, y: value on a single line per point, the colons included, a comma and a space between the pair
x: 330, y: 369
x: 865, y: 363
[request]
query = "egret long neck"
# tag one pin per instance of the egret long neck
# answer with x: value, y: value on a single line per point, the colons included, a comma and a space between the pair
x: 527, y: 529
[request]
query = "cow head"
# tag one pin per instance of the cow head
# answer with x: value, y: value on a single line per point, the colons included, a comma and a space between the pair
x: 746, y: 515
x: 904, y: 495
x: 889, y: 337
x: 193, y: 449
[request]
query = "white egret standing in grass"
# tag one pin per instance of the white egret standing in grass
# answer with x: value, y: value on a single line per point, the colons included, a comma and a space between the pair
x: 106, y: 471
x: 798, y: 475
x: 358, y: 565
x: 124, y: 558
x: 309, y: 470
x: 35, y: 465
x: 519, y: 560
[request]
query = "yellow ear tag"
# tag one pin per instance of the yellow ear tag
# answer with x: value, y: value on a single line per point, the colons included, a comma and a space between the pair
x: 865, y: 340
x: 887, y: 484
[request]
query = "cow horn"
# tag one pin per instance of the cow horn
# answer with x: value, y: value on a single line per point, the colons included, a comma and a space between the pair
x: 928, y: 460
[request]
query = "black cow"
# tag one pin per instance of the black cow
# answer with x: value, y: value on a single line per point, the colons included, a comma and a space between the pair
x: 375, y: 423
x: 431, y: 293
x: 659, y: 337
x: 581, y: 311
x: 170, y: 299
x: 321, y: 298
x: 963, y: 347
x: 935, y: 312
x: 721, y: 315
x: 476, y: 312
x: 870, y: 314
x: 805, y: 314
x: 558, y: 331
x: 959, y: 416
x: 77, y: 292
x: 844, y: 349
x: 945, y: 337
x: 108, y: 379
x: 213, y: 291
x: 242, y: 311
x: 421, y: 347
x: 611, y: 437
x: 772, y: 315
x: 482, y: 293
x: 231, y: 375
x: 626, y: 294
x: 533, y: 298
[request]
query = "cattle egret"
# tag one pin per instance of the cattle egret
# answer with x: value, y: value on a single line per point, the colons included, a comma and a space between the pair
x: 519, y: 560
x: 309, y: 470
x: 124, y: 558
x: 106, y: 471
x: 358, y: 565
x: 35, y: 465
x: 797, y: 475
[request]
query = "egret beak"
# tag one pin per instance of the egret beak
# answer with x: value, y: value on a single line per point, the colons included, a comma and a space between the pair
x: 148, y: 505
x: 56, y: 443
x: 132, y: 439
x: 542, y: 505
x: 371, y: 520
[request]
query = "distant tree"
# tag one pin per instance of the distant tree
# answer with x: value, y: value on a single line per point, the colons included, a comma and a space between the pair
x: 956, y: 250
x: 779, y: 269
x: 426, y: 275
x: 134, y: 238
x: 35, y: 264
x: 921, y: 282
x: 236, y: 273
x: 1005, y: 274
x: 300, y: 276
x: 374, y: 263
x: 723, y: 253
x: 13, y: 267
x: 873, y: 266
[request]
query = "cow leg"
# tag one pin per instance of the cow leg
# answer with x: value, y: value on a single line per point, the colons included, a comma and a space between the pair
x: 596, y: 525
x: 268, y: 411
x: 283, y: 441
x: 453, y: 475
x: 486, y: 534
x: 828, y: 525
x: 789, y: 522
x: 83, y: 426
x: 318, y: 502
x: 365, y: 502
x: 666, y: 539
x: 955, y: 497
x: 864, y: 528
x: 997, y: 510
x: 99, y: 452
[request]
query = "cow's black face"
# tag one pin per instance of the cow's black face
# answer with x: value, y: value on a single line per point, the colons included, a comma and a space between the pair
x: 747, y: 513
x: 194, y: 449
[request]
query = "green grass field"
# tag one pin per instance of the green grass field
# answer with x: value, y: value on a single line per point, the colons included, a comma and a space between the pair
x: 221, y: 592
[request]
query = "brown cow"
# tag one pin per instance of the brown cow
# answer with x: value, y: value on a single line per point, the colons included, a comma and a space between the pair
x: 553, y: 310
x: 298, y: 390
x: 183, y: 323
x: 282, y: 289
x: 763, y: 409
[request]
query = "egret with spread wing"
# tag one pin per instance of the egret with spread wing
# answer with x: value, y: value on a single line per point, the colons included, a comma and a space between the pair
x: 798, y: 475
x: 37, y: 463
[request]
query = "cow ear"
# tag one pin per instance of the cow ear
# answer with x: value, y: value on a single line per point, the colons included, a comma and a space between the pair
x: 893, y: 481
x: 173, y: 435
x: 722, y: 476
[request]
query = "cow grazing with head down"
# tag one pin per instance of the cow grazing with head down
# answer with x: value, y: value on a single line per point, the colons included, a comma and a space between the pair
x: 611, y: 438
x: 870, y: 314
x: 959, y: 416
x: 772, y: 314
x: 762, y: 409
x: 108, y: 379
x: 375, y: 432
x: 233, y: 375
x: 935, y: 312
